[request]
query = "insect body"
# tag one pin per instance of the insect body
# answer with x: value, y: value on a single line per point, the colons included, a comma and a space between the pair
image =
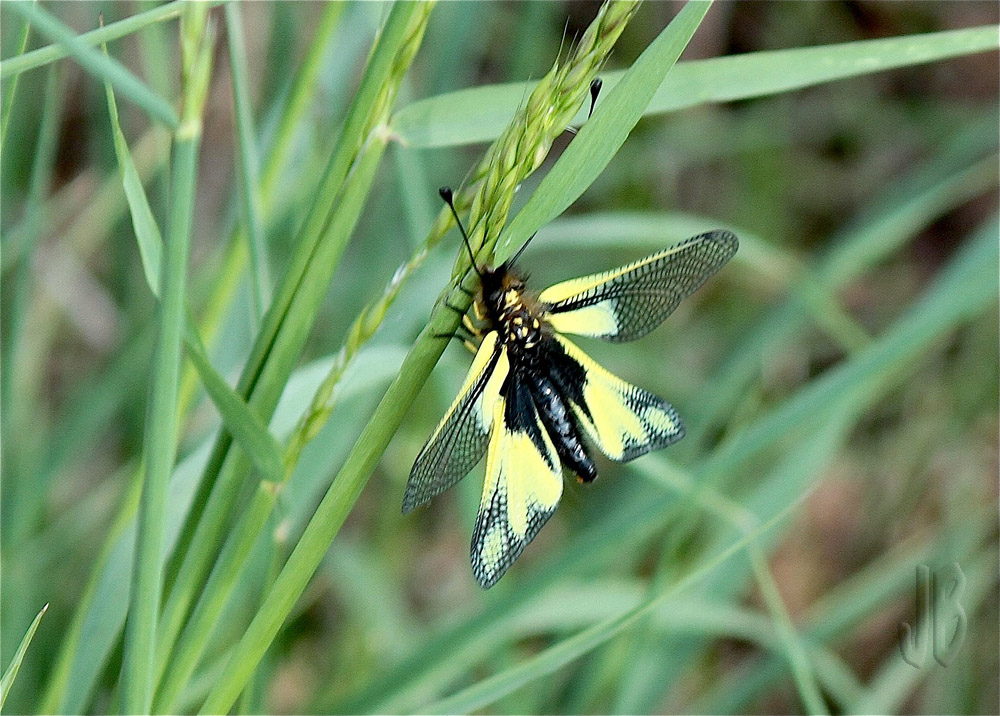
x: 532, y: 400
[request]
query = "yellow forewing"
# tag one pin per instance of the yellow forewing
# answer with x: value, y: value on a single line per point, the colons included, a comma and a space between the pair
x: 624, y: 421
x: 460, y: 439
x: 628, y: 302
x: 483, y: 356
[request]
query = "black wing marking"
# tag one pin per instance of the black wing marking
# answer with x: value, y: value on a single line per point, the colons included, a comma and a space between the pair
x: 623, y: 420
x: 628, y: 302
x: 459, y: 440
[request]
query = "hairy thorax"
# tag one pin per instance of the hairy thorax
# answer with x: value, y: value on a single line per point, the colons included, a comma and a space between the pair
x: 513, y: 313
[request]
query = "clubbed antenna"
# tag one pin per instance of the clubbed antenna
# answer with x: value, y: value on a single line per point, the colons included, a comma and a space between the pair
x: 595, y: 89
x: 449, y: 199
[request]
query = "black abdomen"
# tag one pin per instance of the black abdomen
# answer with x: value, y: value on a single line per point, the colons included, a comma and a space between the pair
x: 560, y: 425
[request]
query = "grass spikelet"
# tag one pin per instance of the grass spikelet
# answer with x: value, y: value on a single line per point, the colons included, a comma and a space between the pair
x: 512, y: 158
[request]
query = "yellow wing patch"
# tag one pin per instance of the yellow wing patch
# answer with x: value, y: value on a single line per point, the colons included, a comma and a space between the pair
x: 600, y: 319
x: 624, y: 421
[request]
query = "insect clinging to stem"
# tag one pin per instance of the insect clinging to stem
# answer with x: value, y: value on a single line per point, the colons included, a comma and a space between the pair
x: 533, y: 400
x: 535, y: 404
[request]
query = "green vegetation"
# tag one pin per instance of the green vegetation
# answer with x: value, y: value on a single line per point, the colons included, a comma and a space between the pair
x: 224, y: 264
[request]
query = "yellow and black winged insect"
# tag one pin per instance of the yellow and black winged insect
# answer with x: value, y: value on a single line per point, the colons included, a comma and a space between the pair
x: 532, y: 400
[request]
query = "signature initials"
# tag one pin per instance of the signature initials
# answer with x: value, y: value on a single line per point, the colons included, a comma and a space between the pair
x: 937, y: 602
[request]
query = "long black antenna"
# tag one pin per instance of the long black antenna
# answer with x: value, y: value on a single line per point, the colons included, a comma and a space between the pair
x: 449, y: 199
x: 513, y: 259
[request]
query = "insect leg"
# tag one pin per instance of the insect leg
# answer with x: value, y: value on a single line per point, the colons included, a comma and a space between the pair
x: 470, y: 326
x: 449, y: 336
x: 467, y: 341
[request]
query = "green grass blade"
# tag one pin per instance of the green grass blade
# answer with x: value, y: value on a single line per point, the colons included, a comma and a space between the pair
x: 291, y: 116
x: 798, y: 659
x: 479, y: 114
x: 20, y: 383
x: 247, y: 171
x: 860, y: 250
x: 11, y: 91
x: 183, y: 591
x: 314, y: 543
x: 87, y: 222
x: 966, y: 286
x: 306, y: 279
x: 160, y: 441
x: 737, y: 77
x: 852, y: 252
x: 303, y: 92
x: 251, y: 434
x: 863, y: 595
x: 292, y: 112
x: 962, y: 290
x: 246, y: 427
x: 147, y: 233
x: 813, y: 451
x: 102, y: 611
x: 411, y: 178
x: 10, y: 673
x: 303, y: 287
x: 97, y: 624
x: 548, y: 661
x: 67, y: 690
x: 605, y: 132
x: 89, y: 409
x: 197, y: 634
x: 51, y: 53
x: 155, y: 51
x: 98, y: 64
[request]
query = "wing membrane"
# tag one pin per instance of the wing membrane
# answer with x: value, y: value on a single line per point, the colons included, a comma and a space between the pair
x: 623, y: 420
x: 523, y: 484
x: 628, y: 302
x: 459, y: 440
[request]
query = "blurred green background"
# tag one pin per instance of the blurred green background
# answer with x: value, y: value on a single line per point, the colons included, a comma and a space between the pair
x: 853, y: 199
